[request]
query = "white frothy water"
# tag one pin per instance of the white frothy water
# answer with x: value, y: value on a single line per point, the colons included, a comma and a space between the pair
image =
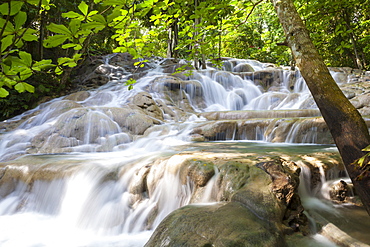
x: 94, y: 206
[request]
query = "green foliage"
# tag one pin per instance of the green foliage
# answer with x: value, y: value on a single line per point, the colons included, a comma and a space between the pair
x: 363, y: 158
x: 340, y: 30
x: 184, y: 69
x: 129, y: 83
x: 52, y: 37
x: 17, y: 65
x: 46, y: 86
x: 364, y: 164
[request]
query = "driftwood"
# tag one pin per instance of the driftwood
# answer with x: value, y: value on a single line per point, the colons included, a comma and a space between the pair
x: 339, y: 237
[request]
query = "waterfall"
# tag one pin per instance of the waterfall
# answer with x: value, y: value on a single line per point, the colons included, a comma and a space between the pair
x: 101, y: 167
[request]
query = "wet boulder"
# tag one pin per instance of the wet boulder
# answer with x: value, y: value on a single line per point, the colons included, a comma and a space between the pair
x: 285, y: 182
x: 181, y: 94
x: 145, y: 101
x: 78, y: 96
x: 126, y: 62
x: 362, y: 103
x: 243, y: 67
x: 256, y: 204
x: 176, y: 85
x: 216, y: 130
x: 132, y: 120
x: 176, y: 67
x: 96, y: 129
x: 339, y: 191
x: 221, y: 224
x: 265, y: 78
x: 200, y: 171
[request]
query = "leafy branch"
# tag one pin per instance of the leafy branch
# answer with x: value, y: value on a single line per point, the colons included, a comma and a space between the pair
x: 364, y: 163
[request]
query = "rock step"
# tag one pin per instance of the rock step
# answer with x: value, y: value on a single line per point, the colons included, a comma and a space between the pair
x: 237, y: 115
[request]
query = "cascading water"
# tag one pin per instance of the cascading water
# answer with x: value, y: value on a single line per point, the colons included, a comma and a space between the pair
x: 74, y: 167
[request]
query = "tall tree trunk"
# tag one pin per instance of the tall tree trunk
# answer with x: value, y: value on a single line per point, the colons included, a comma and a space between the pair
x: 195, y: 35
x: 346, y: 125
x: 173, y: 35
x: 42, y: 36
x: 357, y: 59
x: 169, y: 43
x: 175, y: 39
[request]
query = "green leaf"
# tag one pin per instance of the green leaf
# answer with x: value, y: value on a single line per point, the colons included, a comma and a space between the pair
x: 44, y: 3
x: 34, y: 2
x: 130, y: 83
x: 84, y: 8
x: 57, y: 28
x: 362, y: 159
x: 56, y: 40
x: 112, y: 2
x: 17, y: 64
x: 24, y: 74
x: 63, y: 60
x: 69, y: 45
x: 9, y: 82
x: 74, y: 25
x: 19, y: 43
x: 115, y: 13
x: 15, y: 7
x: 92, y: 13
x: 93, y: 25
x: 2, y: 23
x: 29, y: 37
x: 77, y: 57
x: 77, y: 47
x: 28, y: 87
x: 26, y: 58
x: 3, y: 93
x: 9, y: 28
x: 58, y: 71
x: 6, y: 42
x: 43, y: 64
x: 20, y: 19
x: 99, y: 18
x: 72, y: 15
x: 20, y: 87
x: 366, y: 149
x: 70, y: 62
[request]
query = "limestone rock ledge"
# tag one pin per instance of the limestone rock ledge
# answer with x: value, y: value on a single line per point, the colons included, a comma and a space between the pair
x: 256, y: 205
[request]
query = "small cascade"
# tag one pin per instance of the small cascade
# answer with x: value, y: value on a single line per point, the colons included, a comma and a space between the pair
x: 300, y: 133
x: 124, y: 197
x: 327, y: 197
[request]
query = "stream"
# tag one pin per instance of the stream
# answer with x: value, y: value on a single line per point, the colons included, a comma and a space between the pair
x: 71, y: 169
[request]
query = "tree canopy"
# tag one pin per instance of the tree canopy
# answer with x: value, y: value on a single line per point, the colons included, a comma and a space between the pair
x: 41, y: 40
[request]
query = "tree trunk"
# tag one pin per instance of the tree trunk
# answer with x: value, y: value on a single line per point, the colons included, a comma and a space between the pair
x: 169, y: 43
x: 357, y: 60
x: 346, y: 125
x: 195, y: 35
x: 172, y: 40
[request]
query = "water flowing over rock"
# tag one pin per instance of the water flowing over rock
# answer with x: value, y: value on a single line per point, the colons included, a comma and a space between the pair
x: 186, y: 158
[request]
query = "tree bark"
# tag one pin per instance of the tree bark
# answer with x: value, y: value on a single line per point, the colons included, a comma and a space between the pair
x: 172, y: 40
x: 345, y: 123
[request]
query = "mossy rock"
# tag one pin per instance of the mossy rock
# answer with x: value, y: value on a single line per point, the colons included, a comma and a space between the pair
x: 233, y: 176
x: 221, y: 224
x: 201, y: 171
